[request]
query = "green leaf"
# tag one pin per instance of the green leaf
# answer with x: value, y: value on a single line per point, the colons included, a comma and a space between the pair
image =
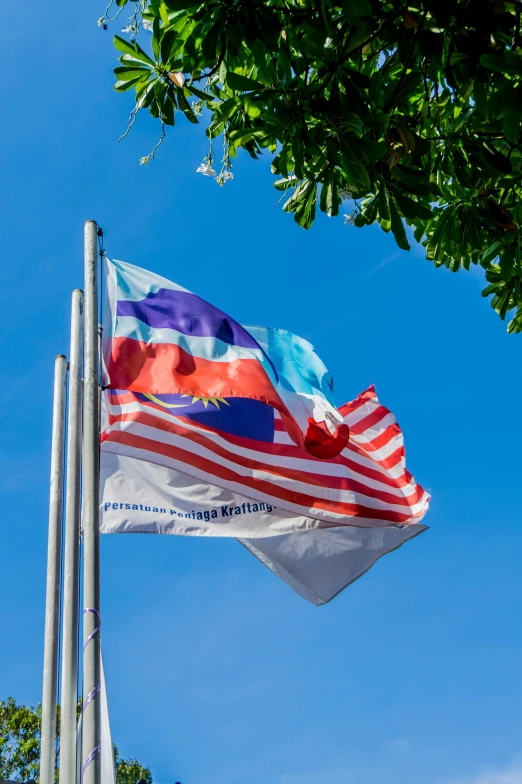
x: 285, y: 184
x: 507, y: 62
x: 280, y: 163
x: 157, y: 34
x: 167, y: 42
x: 515, y: 325
x: 513, y: 115
x: 457, y: 58
x: 412, y: 209
x: 245, y: 134
x: 359, y: 79
x: 186, y: 108
x: 242, y: 83
x: 397, y: 226
x: 491, y: 253
x: 122, y: 85
x: 305, y: 196
x: 507, y: 262
x: 252, y: 108
x: 203, y: 96
x: 384, y: 208
x: 497, y: 161
x: 167, y: 111
x: 330, y: 200
x: 145, y: 95
x: 125, y: 74
x: 370, y: 210
x: 211, y: 40
x: 378, y: 120
x: 133, y: 50
x: 228, y: 108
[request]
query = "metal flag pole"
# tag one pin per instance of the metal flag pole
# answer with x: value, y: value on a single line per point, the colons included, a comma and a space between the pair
x: 69, y: 692
x: 91, y: 736
x: 52, y: 600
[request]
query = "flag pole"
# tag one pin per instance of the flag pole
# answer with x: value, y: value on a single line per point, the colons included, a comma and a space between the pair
x: 52, y: 600
x: 69, y: 691
x: 91, y: 736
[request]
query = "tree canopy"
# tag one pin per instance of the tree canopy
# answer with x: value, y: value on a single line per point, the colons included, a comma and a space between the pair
x: 20, y: 746
x: 393, y: 112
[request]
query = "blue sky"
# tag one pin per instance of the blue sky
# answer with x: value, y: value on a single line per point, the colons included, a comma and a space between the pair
x: 216, y: 671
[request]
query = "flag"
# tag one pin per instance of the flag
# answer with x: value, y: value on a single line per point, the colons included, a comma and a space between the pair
x: 228, y: 468
x: 193, y: 467
x: 160, y: 339
x: 320, y: 564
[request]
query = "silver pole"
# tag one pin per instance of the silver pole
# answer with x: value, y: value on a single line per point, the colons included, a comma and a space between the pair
x: 91, y: 769
x: 69, y: 693
x: 52, y: 599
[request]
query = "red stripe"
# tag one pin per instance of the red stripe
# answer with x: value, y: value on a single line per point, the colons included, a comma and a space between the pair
x: 318, y: 480
x: 385, y: 463
x: 292, y: 451
x: 164, y: 369
x: 360, y: 400
x: 272, y: 490
x: 370, y: 420
x: 122, y: 397
x: 381, y: 440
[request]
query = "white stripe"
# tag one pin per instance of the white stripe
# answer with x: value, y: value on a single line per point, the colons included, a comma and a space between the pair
x: 313, y: 512
x: 292, y: 485
x: 294, y: 463
x: 361, y: 412
x: 384, y: 451
x: 283, y: 463
x: 136, y: 482
x: 202, y: 347
x: 353, y: 453
x: 371, y: 461
x: 282, y: 437
x: 237, y: 487
x: 135, y: 283
x: 375, y: 430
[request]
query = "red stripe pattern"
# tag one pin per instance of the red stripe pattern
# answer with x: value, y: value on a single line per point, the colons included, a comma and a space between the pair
x: 367, y: 485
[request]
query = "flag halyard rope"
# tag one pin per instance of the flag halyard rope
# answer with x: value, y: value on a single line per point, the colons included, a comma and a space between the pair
x: 94, y: 693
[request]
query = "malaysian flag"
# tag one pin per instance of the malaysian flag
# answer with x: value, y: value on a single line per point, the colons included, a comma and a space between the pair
x: 215, y: 467
x: 241, y: 446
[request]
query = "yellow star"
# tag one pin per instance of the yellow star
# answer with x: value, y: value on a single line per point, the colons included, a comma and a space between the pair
x: 206, y: 400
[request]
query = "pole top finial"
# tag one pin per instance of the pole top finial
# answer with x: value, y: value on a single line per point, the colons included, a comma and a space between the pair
x: 61, y: 356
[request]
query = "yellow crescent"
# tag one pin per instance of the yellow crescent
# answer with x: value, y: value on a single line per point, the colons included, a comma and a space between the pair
x: 165, y: 405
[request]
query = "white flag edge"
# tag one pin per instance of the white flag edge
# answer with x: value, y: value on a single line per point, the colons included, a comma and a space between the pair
x: 319, y: 564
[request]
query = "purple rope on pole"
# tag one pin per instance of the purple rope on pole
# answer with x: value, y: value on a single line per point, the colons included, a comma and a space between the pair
x: 94, y: 693
x: 94, y: 753
x: 91, y: 696
x: 95, y: 632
